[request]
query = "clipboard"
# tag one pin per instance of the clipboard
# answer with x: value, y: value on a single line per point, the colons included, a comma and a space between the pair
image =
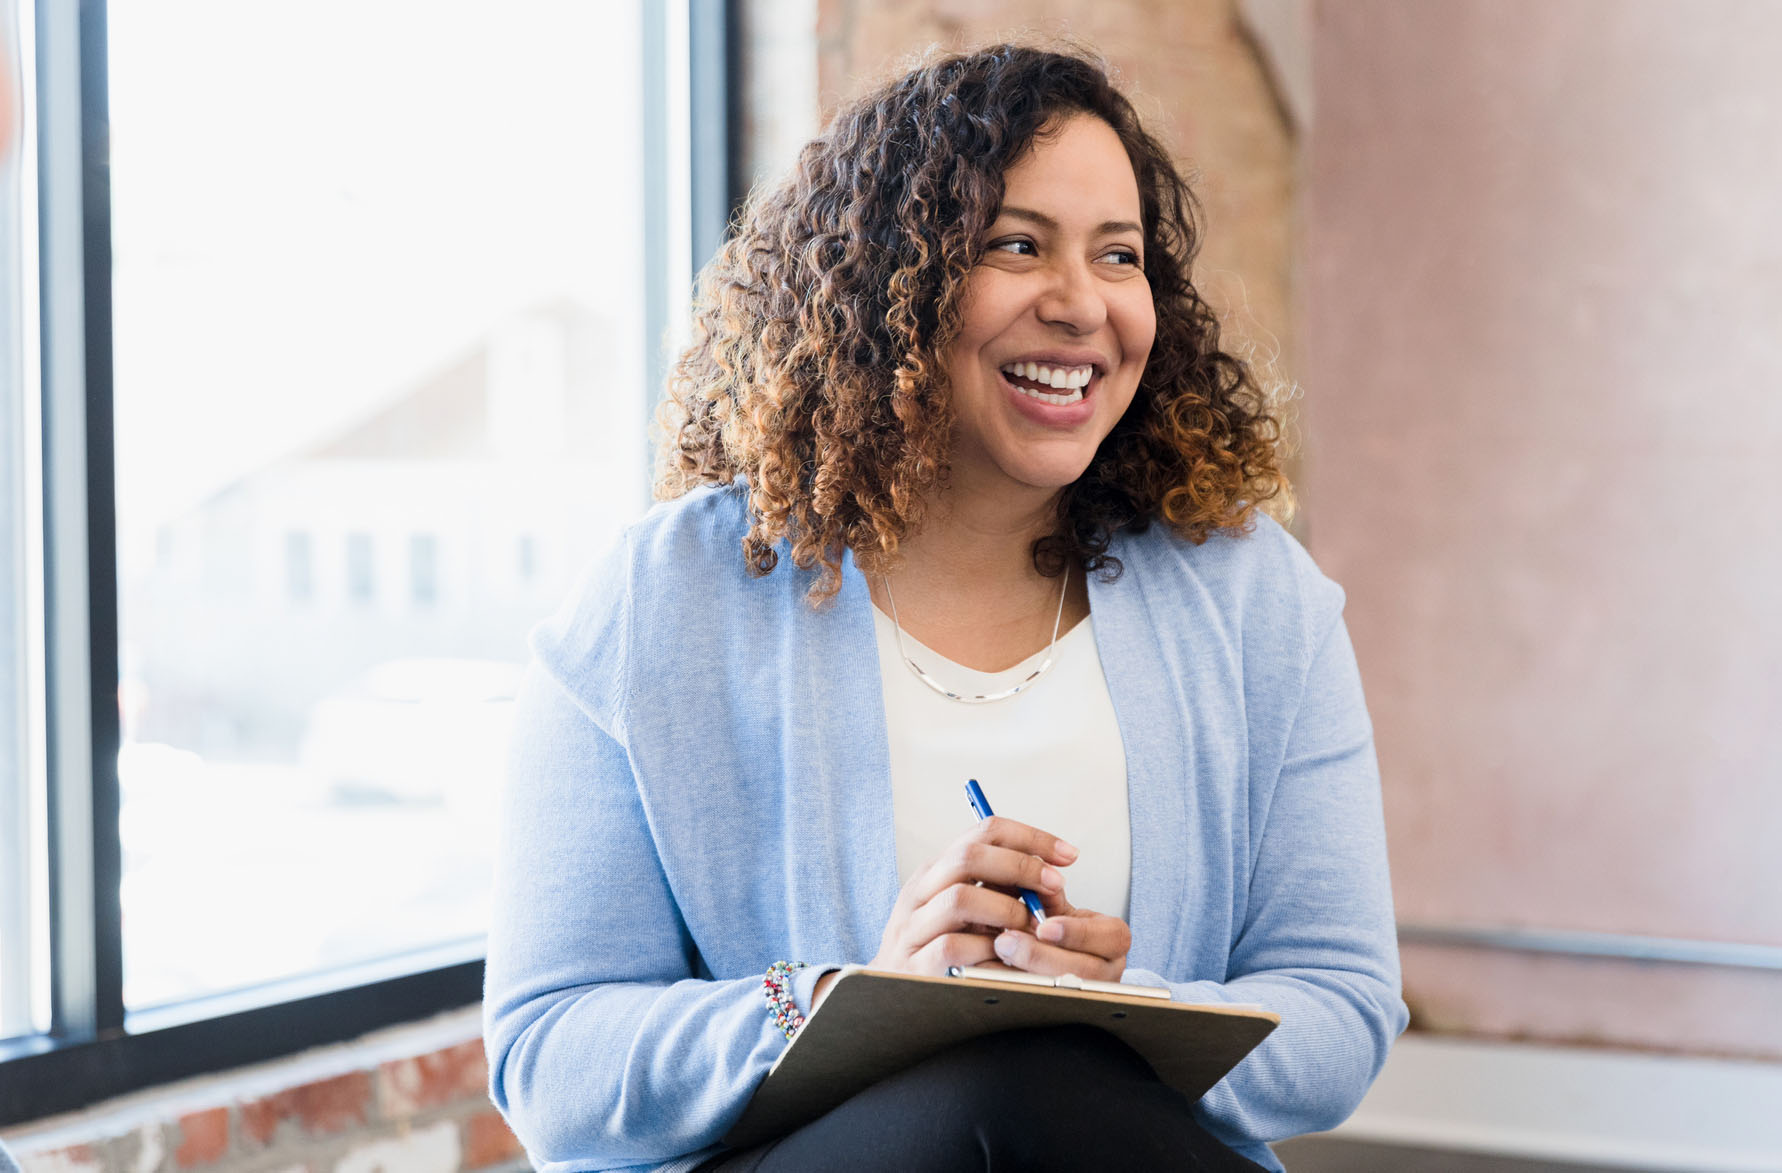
x: 874, y: 1024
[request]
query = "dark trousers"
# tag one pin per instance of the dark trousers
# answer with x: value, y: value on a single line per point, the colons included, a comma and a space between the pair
x: 1061, y: 1098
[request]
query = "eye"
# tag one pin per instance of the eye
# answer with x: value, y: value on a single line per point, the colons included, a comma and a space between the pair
x: 1124, y: 256
x: 1015, y: 246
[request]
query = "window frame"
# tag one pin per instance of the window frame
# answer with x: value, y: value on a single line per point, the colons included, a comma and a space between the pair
x: 95, y: 1049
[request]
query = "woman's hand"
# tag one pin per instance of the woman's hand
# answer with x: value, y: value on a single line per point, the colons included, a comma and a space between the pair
x: 1075, y: 940
x: 952, y: 910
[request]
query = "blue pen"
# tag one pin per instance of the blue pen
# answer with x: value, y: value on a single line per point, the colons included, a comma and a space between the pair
x: 974, y: 794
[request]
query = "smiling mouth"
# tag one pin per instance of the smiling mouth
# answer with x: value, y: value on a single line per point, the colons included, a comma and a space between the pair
x: 1058, y: 386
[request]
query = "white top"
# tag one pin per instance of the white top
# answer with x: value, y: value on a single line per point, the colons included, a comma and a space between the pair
x: 1050, y: 756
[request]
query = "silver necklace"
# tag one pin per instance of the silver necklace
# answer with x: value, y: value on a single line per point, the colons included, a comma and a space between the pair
x: 978, y: 698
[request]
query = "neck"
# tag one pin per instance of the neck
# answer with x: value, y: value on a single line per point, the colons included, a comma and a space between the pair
x: 981, y: 539
x: 967, y: 586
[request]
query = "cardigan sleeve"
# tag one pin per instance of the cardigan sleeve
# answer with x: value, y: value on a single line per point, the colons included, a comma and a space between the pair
x: 606, y: 1046
x: 1318, y: 944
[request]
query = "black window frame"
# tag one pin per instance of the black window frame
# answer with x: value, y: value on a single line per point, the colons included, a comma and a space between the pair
x: 94, y: 1048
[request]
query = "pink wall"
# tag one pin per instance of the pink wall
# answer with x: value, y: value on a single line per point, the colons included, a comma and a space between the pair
x: 1542, y: 299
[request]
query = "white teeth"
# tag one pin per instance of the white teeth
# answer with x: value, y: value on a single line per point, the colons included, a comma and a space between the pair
x: 1055, y: 400
x: 1064, y: 378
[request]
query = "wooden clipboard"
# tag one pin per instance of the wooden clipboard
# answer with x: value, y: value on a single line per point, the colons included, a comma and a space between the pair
x: 873, y: 1024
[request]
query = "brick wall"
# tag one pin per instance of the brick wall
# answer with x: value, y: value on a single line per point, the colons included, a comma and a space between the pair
x: 358, y: 1108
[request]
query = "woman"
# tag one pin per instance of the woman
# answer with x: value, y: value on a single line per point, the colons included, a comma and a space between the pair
x: 959, y: 484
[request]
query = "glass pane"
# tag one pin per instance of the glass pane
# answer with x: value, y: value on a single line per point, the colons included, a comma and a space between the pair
x: 18, y: 839
x: 380, y: 393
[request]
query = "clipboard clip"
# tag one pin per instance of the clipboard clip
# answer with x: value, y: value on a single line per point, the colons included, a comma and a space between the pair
x: 1064, y: 981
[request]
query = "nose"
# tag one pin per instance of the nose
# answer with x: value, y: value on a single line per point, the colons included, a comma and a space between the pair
x: 1072, y: 298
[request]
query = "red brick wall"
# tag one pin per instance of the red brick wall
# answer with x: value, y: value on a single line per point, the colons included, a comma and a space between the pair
x: 426, y: 1113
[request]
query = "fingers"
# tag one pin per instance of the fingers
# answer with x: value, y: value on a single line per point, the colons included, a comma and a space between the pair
x: 1107, y: 937
x: 953, y: 949
x: 1002, y: 853
x: 1054, y: 903
x: 999, y: 867
x: 952, y: 911
x: 962, y: 907
x: 1051, y: 903
x: 1021, y: 837
x: 1088, y: 945
x: 1023, y: 951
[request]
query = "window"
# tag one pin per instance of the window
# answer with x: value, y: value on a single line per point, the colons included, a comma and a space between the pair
x: 20, y: 798
x: 352, y: 327
x: 423, y: 569
x: 299, y: 574
x: 361, y: 568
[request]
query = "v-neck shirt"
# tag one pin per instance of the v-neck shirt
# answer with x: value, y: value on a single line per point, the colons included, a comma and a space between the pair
x: 1050, y: 756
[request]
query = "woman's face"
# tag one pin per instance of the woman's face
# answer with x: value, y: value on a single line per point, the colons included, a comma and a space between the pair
x: 1058, y: 319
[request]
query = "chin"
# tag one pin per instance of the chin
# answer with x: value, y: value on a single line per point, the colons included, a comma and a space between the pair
x: 1052, y: 477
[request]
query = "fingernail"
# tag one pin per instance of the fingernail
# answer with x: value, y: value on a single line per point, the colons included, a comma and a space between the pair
x: 1052, y: 878
x: 1051, y: 931
x: 1067, y: 851
x: 1005, y: 946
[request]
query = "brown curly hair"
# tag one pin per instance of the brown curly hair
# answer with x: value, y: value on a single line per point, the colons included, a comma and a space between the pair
x: 815, y: 371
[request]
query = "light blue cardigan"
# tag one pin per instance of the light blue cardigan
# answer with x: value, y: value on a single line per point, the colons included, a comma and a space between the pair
x: 699, y: 787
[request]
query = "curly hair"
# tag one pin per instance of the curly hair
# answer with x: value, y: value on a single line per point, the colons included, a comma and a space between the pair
x: 816, y: 375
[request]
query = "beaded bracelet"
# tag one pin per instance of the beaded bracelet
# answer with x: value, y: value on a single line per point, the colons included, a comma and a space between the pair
x: 777, y: 986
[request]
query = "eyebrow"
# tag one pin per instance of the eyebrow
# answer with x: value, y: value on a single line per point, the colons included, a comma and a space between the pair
x: 1051, y: 225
